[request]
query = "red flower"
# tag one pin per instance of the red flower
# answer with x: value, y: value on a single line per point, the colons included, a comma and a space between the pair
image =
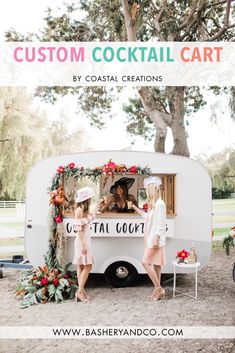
x: 66, y: 276
x: 56, y: 282
x: 182, y: 254
x: 58, y: 219
x: 60, y: 169
x: 145, y: 207
x: 133, y: 169
x: 44, y: 281
x: 71, y: 165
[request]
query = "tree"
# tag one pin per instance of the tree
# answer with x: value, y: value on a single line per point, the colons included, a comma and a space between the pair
x: 221, y: 167
x: 27, y: 136
x: 21, y: 135
x: 155, y: 109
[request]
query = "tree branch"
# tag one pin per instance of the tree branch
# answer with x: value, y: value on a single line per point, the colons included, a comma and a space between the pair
x: 4, y: 140
x: 187, y: 20
x: 157, y: 20
x: 218, y: 34
x: 215, y: 4
x: 226, y: 25
x: 195, y: 19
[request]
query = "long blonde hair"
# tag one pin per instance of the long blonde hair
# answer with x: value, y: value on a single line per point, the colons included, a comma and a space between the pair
x: 153, y: 193
x: 85, y: 206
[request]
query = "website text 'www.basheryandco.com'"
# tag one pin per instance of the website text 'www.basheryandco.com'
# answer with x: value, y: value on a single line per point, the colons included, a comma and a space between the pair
x: 117, y: 332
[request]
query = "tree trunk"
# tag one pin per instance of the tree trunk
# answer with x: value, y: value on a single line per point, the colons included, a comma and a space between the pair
x: 175, y: 120
x: 177, y: 126
x: 159, y: 119
x: 129, y: 22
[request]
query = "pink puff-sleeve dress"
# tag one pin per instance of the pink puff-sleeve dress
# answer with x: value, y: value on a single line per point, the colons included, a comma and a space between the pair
x: 82, y: 224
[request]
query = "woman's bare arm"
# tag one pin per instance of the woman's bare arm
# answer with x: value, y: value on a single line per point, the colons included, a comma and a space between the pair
x: 138, y: 210
x: 105, y: 206
x: 79, y: 229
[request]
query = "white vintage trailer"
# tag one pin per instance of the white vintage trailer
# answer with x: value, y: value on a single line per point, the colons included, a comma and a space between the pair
x: 117, y: 239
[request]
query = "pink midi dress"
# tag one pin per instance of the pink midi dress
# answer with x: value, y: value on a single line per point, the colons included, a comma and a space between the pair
x: 83, y: 224
x: 155, y: 224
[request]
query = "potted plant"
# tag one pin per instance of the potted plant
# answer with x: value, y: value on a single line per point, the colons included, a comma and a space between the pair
x: 182, y: 255
x: 228, y: 241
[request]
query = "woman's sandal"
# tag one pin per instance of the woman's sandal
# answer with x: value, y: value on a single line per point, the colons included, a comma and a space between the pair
x: 158, y: 294
x: 81, y: 297
x: 87, y: 296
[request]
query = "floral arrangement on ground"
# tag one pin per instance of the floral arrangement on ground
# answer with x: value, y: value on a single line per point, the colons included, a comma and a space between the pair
x: 46, y: 284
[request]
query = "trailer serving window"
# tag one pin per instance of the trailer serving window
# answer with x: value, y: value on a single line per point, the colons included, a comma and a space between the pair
x: 106, y: 188
x: 137, y: 192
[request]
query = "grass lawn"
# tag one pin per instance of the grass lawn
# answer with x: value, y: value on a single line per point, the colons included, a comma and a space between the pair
x: 11, y: 242
x: 10, y: 254
x: 223, y: 203
x: 221, y: 231
x: 220, y: 207
x: 8, y: 212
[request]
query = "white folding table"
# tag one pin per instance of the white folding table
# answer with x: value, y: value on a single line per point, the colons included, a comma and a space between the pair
x: 194, y: 267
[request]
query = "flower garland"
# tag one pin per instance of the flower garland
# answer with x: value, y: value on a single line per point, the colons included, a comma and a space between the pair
x: 57, y: 197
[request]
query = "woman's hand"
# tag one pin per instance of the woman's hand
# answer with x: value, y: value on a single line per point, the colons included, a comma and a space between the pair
x: 156, y: 241
x: 84, y: 249
x: 130, y: 205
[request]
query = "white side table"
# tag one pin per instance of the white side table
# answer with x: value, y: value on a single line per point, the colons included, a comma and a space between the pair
x: 187, y: 266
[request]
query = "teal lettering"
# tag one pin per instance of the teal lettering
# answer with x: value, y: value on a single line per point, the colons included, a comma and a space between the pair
x: 152, y: 55
x: 168, y: 55
x: 131, y: 54
x: 119, y: 56
x: 94, y: 54
x: 108, y: 54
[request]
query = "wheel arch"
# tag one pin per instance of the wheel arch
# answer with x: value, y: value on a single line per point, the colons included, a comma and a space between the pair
x: 137, y: 264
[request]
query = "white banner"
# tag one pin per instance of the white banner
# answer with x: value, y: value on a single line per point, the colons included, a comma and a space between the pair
x: 117, y: 332
x: 116, y: 227
x: 117, y: 63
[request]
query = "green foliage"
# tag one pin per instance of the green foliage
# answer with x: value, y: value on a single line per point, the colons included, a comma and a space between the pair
x: 27, y: 136
x: 60, y: 284
x: 222, y: 193
x: 221, y: 167
x: 228, y: 243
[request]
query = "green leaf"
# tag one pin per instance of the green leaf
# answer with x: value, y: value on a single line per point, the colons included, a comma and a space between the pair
x: 58, y: 295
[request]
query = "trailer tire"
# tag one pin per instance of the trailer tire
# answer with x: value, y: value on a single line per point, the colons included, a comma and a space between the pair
x: 121, y: 274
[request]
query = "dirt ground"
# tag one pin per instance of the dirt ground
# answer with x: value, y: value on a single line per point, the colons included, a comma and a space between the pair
x: 130, y: 306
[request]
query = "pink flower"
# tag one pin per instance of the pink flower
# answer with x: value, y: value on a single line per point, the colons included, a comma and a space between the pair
x: 60, y: 169
x: 109, y: 168
x: 71, y: 165
x: 66, y: 276
x: 58, y: 219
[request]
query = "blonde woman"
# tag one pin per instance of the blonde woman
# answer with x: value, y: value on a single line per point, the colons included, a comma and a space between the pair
x: 83, y: 257
x: 154, y: 234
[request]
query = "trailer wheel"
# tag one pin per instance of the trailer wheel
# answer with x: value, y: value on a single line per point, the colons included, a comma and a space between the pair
x: 121, y: 274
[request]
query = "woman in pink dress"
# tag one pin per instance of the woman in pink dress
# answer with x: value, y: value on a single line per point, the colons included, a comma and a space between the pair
x: 83, y: 257
x: 154, y: 234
